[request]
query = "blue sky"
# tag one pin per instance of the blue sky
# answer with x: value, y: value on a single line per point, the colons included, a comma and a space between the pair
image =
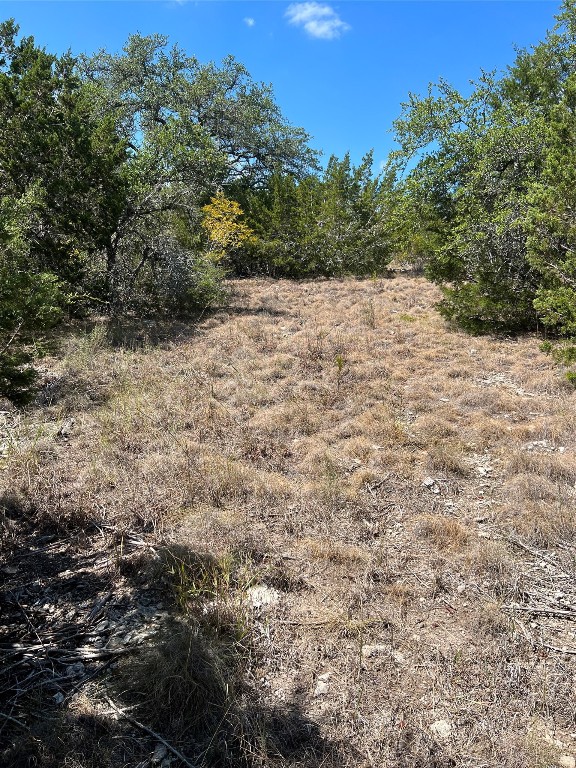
x: 340, y: 70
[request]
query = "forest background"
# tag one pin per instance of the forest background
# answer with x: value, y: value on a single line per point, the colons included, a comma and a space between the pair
x: 135, y: 183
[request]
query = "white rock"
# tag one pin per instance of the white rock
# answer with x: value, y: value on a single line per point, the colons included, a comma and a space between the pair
x: 75, y: 670
x: 567, y: 761
x: 321, y: 688
x: 262, y: 595
x: 374, y: 650
x: 442, y: 729
x: 431, y: 484
x: 160, y: 752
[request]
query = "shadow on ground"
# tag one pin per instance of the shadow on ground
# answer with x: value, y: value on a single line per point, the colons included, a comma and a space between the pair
x: 100, y: 666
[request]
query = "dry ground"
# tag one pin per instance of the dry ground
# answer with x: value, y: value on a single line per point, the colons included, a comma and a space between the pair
x: 320, y: 528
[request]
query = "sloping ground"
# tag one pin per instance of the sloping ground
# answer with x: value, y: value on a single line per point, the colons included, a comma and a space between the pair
x: 320, y: 528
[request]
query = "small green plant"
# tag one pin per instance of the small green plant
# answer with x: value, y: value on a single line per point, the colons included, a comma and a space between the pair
x: 209, y: 587
x: 195, y: 578
x: 571, y: 377
x: 340, y: 362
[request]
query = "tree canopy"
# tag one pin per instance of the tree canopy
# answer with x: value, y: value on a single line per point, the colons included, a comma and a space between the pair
x: 106, y: 166
x: 192, y: 131
x: 60, y: 195
x: 333, y: 223
x: 485, y: 185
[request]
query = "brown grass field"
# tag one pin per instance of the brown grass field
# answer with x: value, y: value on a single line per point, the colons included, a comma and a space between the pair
x: 318, y: 528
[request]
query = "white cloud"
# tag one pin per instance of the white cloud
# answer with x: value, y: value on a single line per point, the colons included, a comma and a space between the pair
x: 318, y: 20
x: 249, y: 22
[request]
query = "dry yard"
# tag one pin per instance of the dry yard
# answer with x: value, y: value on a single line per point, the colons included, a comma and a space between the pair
x: 320, y: 528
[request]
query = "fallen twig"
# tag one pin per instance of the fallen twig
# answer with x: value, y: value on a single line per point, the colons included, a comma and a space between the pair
x: 335, y: 620
x: 523, y: 630
x: 88, y: 654
x: 373, y: 486
x: 535, y: 553
x: 542, y: 611
x: 547, y: 646
x: 98, y: 608
x: 70, y: 655
x: 14, y: 720
x: 27, y: 618
x: 149, y: 731
x: 570, y: 651
x: 35, y: 552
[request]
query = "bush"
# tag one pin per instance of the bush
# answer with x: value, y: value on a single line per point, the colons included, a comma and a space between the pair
x: 29, y: 306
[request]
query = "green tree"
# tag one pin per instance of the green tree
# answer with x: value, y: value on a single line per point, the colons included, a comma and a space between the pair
x: 59, y: 199
x: 50, y: 144
x: 282, y: 214
x: 329, y: 224
x: 30, y: 301
x: 350, y: 236
x: 485, y: 188
x: 192, y: 130
x: 552, y: 222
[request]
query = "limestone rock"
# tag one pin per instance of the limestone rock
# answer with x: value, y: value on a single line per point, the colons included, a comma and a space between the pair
x: 442, y: 729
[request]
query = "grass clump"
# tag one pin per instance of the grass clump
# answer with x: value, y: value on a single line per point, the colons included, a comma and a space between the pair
x: 444, y: 532
x: 186, y: 686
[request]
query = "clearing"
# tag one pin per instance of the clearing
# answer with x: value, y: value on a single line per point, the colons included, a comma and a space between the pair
x: 319, y: 528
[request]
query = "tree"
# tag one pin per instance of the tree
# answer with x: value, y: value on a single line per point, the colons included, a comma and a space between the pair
x: 552, y: 225
x: 350, y: 236
x: 192, y: 130
x: 281, y: 214
x: 30, y: 301
x: 53, y: 148
x: 29, y: 305
x: 476, y: 158
x: 333, y: 224
x: 226, y: 233
x: 492, y: 178
x: 59, y: 197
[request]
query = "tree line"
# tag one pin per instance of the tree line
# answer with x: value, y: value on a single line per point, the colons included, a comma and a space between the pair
x: 486, y: 192
x: 135, y: 182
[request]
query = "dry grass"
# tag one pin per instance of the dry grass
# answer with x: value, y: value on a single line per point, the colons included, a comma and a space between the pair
x: 389, y: 483
x: 444, y: 532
